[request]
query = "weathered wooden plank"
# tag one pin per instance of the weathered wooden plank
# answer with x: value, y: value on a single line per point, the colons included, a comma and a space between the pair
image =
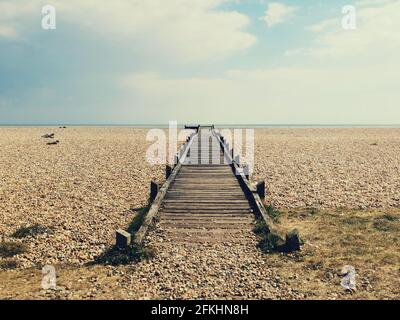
x: 207, y: 201
x: 219, y: 219
x: 226, y: 192
x: 193, y: 216
x: 199, y: 211
x: 210, y: 232
x: 203, y: 225
x: 199, y: 206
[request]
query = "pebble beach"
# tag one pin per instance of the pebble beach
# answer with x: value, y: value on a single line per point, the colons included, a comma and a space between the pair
x: 92, y: 183
x: 329, y: 168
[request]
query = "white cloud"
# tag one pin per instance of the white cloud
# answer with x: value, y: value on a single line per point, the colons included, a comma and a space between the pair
x: 12, y: 14
x: 376, y: 35
x: 371, y: 2
x: 277, y: 13
x: 324, y: 25
x: 277, y: 95
x: 181, y: 30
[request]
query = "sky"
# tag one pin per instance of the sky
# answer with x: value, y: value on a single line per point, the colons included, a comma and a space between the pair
x: 200, y: 61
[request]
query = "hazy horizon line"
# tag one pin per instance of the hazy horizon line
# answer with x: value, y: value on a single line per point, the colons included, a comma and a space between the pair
x: 152, y: 125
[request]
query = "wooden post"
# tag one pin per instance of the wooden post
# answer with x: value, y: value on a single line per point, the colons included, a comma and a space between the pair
x: 237, y: 160
x: 261, y: 189
x: 154, y: 187
x: 223, y: 153
x: 122, y: 239
x: 293, y: 241
x: 246, y: 171
x: 168, y: 171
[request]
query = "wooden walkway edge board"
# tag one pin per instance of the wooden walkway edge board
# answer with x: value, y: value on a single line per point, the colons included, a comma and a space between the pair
x: 155, y: 206
x: 250, y: 191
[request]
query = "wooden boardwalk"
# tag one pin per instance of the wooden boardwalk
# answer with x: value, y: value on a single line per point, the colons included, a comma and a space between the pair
x: 207, y: 197
x: 205, y: 202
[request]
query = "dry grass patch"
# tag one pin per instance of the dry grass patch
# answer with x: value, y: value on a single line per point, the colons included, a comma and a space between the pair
x: 31, y: 231
x: 8, y: 264
x: 10, y: 249
x: 367, y: 240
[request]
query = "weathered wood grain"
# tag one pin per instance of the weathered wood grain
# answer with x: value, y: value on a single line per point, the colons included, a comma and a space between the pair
x: 206, y: 203
x: 207, y: 196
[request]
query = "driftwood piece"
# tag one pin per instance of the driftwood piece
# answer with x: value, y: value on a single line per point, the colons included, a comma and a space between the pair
x: 53, y: 143
x: 48, y: 136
